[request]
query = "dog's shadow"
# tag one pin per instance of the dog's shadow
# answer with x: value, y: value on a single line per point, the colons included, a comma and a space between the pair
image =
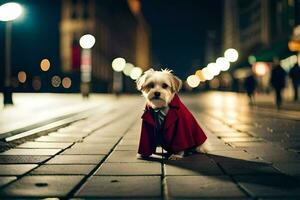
x: 216, y: 166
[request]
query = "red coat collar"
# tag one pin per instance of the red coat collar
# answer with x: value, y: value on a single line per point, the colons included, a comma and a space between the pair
x: 172, y: 114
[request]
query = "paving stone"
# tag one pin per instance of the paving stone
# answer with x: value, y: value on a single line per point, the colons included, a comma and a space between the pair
x: 121, y: 187
x: 124, y: 156
x: 242, y: 139
x: 288, y: 168
x: 269, y: 185
x: 232, y: 156
x: 126, y: 148
x: 248, y: 144
x: 129, y: 142
x: 22, y: 159
x: 282, y: 157
x: 202, y: 187
x: 15, y: 169
x: 85, y: 151
x: 57, y: 139
x: 63, y: 170
x: 191, y: 168
x: 94, y: 146
x: 129, y: 169
x: 41, y: 152
x: 76, y: 159
x: 6, y: 179
x: 93, y: 139
x: 44, y: 145
x: 247, y: 167
x: 41, y: 186
x: 68, y: 134
x: 231, y: 134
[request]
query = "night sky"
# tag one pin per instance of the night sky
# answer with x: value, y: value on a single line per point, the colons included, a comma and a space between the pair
x: 178, y: 29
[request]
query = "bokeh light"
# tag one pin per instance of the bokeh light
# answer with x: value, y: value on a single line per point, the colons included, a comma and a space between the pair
x: 199, y: 73
x: 207, y: 74
x: 213, y: 68
x: 22, y: 77
x: 231, y: 55
x: 223, y: 64
x: 56, y: 81
x: 136, y: 72
x: 45, y: 65
x: 87, y: 41
x: 128, y: 68
x: 260, y: 68
x: 10, y: 11
x: 193, y: 81
x: 66, y: 82
x: 36, y: 83
x: 118, y: 64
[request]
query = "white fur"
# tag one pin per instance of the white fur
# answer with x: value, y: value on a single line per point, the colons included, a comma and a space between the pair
x: 163, y: 82
x: 155, y: 81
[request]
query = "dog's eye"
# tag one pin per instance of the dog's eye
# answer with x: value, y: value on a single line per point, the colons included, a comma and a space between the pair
x: 164, y: 86
x: 151, y: 85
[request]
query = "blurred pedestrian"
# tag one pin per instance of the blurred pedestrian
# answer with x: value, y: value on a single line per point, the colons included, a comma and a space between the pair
x: 295, y: 76
x: 278, y: 80
x: 250, y: 86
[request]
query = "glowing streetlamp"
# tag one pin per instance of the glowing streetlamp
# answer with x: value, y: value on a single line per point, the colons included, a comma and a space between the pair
x: 193, y: 81
x: 223, y: 64
x: 118, y: 64
x: 231, y: 55
x: 8, y: 13
x: 136, y: 72
x: 128, y: 68
x: 86, y: 42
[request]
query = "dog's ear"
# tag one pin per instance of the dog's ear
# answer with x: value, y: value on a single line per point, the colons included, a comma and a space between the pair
x: 140, y: 81
x: 176, y: 83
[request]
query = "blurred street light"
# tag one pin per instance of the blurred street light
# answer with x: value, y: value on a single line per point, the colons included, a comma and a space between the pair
x: 128, y: 68
x: 193, y: 81
x: 207, y: 74
x: 86, y: 42
x: 22, y: 77
x: 214, y: 69
x: 118, y: 64
x: 260, y: 68
x: 223, y: 64
x: 8, y: 13
x: 231, y: 55
x: 45, y: 65
x: 199, y: 73
x: 136, y: 72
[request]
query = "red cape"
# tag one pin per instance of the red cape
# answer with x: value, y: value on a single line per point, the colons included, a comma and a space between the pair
x: 181, y: 130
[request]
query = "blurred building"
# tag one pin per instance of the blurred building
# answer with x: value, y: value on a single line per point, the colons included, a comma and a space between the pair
x: 260, y: 28
x: 120, y: 31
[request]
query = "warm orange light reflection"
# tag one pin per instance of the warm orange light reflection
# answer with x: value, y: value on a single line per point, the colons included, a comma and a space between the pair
x: 22, y: 76
x: 260, y: 68
x: 66, y: 82
x: 45, y: 65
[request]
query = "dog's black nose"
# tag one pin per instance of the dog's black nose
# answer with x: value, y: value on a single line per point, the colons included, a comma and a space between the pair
x: 156, y: 94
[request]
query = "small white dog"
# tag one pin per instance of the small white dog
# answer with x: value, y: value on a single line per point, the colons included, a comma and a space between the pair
x: 166, y: 120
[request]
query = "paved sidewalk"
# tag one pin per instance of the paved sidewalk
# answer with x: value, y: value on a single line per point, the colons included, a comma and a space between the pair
x: 250, y: 157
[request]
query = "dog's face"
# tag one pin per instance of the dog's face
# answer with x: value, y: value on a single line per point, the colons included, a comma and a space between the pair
x: 158, y: 87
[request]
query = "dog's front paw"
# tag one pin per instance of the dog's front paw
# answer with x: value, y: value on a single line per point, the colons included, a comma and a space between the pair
x: 177, y: 156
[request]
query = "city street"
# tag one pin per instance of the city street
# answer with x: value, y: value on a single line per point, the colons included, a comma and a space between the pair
x: 253, y: 151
